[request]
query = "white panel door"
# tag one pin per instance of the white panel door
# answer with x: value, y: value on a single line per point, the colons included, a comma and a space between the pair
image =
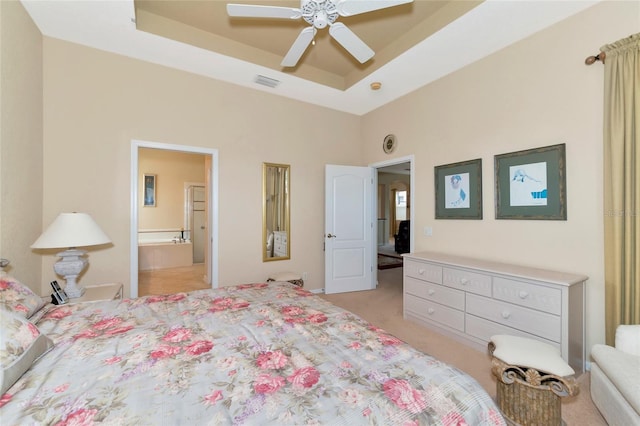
x: 348, y: 229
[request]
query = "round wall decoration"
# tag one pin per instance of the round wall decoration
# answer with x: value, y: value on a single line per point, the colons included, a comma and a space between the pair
x: 389, y: 144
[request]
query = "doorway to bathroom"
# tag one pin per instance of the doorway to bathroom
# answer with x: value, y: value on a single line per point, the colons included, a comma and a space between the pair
x: 174, y: 237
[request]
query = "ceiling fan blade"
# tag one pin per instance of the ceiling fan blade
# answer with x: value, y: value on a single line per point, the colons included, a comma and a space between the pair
x: 299, y: 46
x: 351, y: 42
x: 255, y: 11
x: 355, y: 7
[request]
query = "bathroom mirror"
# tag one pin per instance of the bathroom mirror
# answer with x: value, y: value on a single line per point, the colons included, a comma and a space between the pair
x: 275, y: 212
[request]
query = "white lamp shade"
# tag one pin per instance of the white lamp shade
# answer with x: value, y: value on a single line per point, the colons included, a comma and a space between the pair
x: 71, y: 230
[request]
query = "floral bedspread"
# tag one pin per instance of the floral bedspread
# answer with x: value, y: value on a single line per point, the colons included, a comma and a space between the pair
x: 242, y: 355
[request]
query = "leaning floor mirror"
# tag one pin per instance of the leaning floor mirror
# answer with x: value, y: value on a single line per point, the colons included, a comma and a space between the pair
x: 275, y: 212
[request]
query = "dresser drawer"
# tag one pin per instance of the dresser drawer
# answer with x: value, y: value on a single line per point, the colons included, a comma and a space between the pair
x: 280, y: 249
x: 483, y: 330
x: 467, y: 281
x: 539, y: 323
x: 435, y: 292
x: 422, y: 271
x: 434, y: 312
x: 529, y: 295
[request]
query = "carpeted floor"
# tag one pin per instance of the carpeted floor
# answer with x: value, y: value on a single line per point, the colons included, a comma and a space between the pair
x: 383, y: 308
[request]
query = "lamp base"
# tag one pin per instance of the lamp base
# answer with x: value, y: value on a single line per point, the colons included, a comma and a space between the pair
x: 70, y: 266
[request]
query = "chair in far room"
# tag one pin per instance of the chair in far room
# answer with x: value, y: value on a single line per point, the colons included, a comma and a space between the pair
x: 402, y: 237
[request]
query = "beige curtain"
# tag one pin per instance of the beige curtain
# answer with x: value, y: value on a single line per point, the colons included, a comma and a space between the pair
x: 622, y: 183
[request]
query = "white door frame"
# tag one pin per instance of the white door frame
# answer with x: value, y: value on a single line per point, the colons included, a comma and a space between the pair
x: 407, y: 159
x: 213, y: 207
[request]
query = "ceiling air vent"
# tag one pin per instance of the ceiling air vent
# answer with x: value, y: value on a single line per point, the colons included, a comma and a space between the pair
x: 266, y: 81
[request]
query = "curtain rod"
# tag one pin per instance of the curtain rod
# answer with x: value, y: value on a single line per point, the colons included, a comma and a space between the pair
x: 592, y: 59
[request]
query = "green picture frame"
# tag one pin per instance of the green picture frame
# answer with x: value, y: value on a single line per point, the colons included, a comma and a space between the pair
x: 458, y: 190
x: 531, y: 184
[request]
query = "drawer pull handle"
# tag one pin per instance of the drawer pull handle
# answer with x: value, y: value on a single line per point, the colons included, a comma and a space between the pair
x: 464, y: 281
x: 506, y: 314
x: 431, y: 292
x: 421, y: 271
x: 430, y: 311
x: 523, y: 295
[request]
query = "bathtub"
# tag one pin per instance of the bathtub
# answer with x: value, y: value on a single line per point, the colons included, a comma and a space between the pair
x: 157, y: 253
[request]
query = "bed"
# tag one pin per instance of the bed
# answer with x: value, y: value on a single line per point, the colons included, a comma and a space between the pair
x: 264, y: 353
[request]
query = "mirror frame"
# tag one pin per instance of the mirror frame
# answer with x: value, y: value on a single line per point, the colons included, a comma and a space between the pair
x: 286, y: 208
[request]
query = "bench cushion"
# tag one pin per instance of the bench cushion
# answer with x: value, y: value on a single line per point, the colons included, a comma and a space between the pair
x: 622, y: 369
x: 524, y: 352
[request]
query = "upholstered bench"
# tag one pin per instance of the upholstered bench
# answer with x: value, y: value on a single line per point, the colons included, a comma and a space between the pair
x: 615, y: 377
x: 292, y: 277
x: 532, y: 376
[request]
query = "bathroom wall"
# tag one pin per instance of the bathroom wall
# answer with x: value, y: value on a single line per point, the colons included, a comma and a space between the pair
x: 172, y: 170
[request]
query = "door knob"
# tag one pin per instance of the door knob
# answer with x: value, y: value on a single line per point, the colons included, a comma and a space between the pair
x: 331, y: 236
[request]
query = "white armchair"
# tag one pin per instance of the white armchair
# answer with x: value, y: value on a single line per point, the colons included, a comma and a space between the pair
x: 615, y: 377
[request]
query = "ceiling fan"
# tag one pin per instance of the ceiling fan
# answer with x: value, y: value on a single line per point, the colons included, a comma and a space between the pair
x: 319, y: 14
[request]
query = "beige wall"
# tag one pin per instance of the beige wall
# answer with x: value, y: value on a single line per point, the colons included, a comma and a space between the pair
x: 95, y: 103
x: 535, y: 93
x: 172, y: 170
x: 20, y: 142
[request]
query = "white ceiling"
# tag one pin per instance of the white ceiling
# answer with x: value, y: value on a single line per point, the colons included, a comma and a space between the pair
x: 492, y: 25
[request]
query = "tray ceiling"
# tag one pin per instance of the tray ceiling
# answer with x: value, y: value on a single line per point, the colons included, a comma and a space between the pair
x: 415, y: 44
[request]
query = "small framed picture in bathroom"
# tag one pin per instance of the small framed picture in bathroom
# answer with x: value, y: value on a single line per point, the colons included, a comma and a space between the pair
x: 149, y: 190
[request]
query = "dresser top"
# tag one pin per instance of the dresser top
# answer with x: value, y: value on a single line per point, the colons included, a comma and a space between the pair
x: 525, y: 272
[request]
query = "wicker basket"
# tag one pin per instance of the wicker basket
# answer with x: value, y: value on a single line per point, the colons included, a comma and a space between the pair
x: 530, y: 397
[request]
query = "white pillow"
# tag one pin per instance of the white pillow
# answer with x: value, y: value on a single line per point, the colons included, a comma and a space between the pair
x: 628, y: 339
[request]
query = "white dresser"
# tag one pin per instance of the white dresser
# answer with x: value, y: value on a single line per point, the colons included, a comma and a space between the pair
x: 471, y: 300
x: 279, y: 244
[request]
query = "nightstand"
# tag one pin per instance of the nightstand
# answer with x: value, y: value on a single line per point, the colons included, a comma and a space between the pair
x: 95, y: 293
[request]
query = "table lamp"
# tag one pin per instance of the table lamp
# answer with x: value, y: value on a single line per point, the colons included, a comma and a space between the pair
x: 71, y: 230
